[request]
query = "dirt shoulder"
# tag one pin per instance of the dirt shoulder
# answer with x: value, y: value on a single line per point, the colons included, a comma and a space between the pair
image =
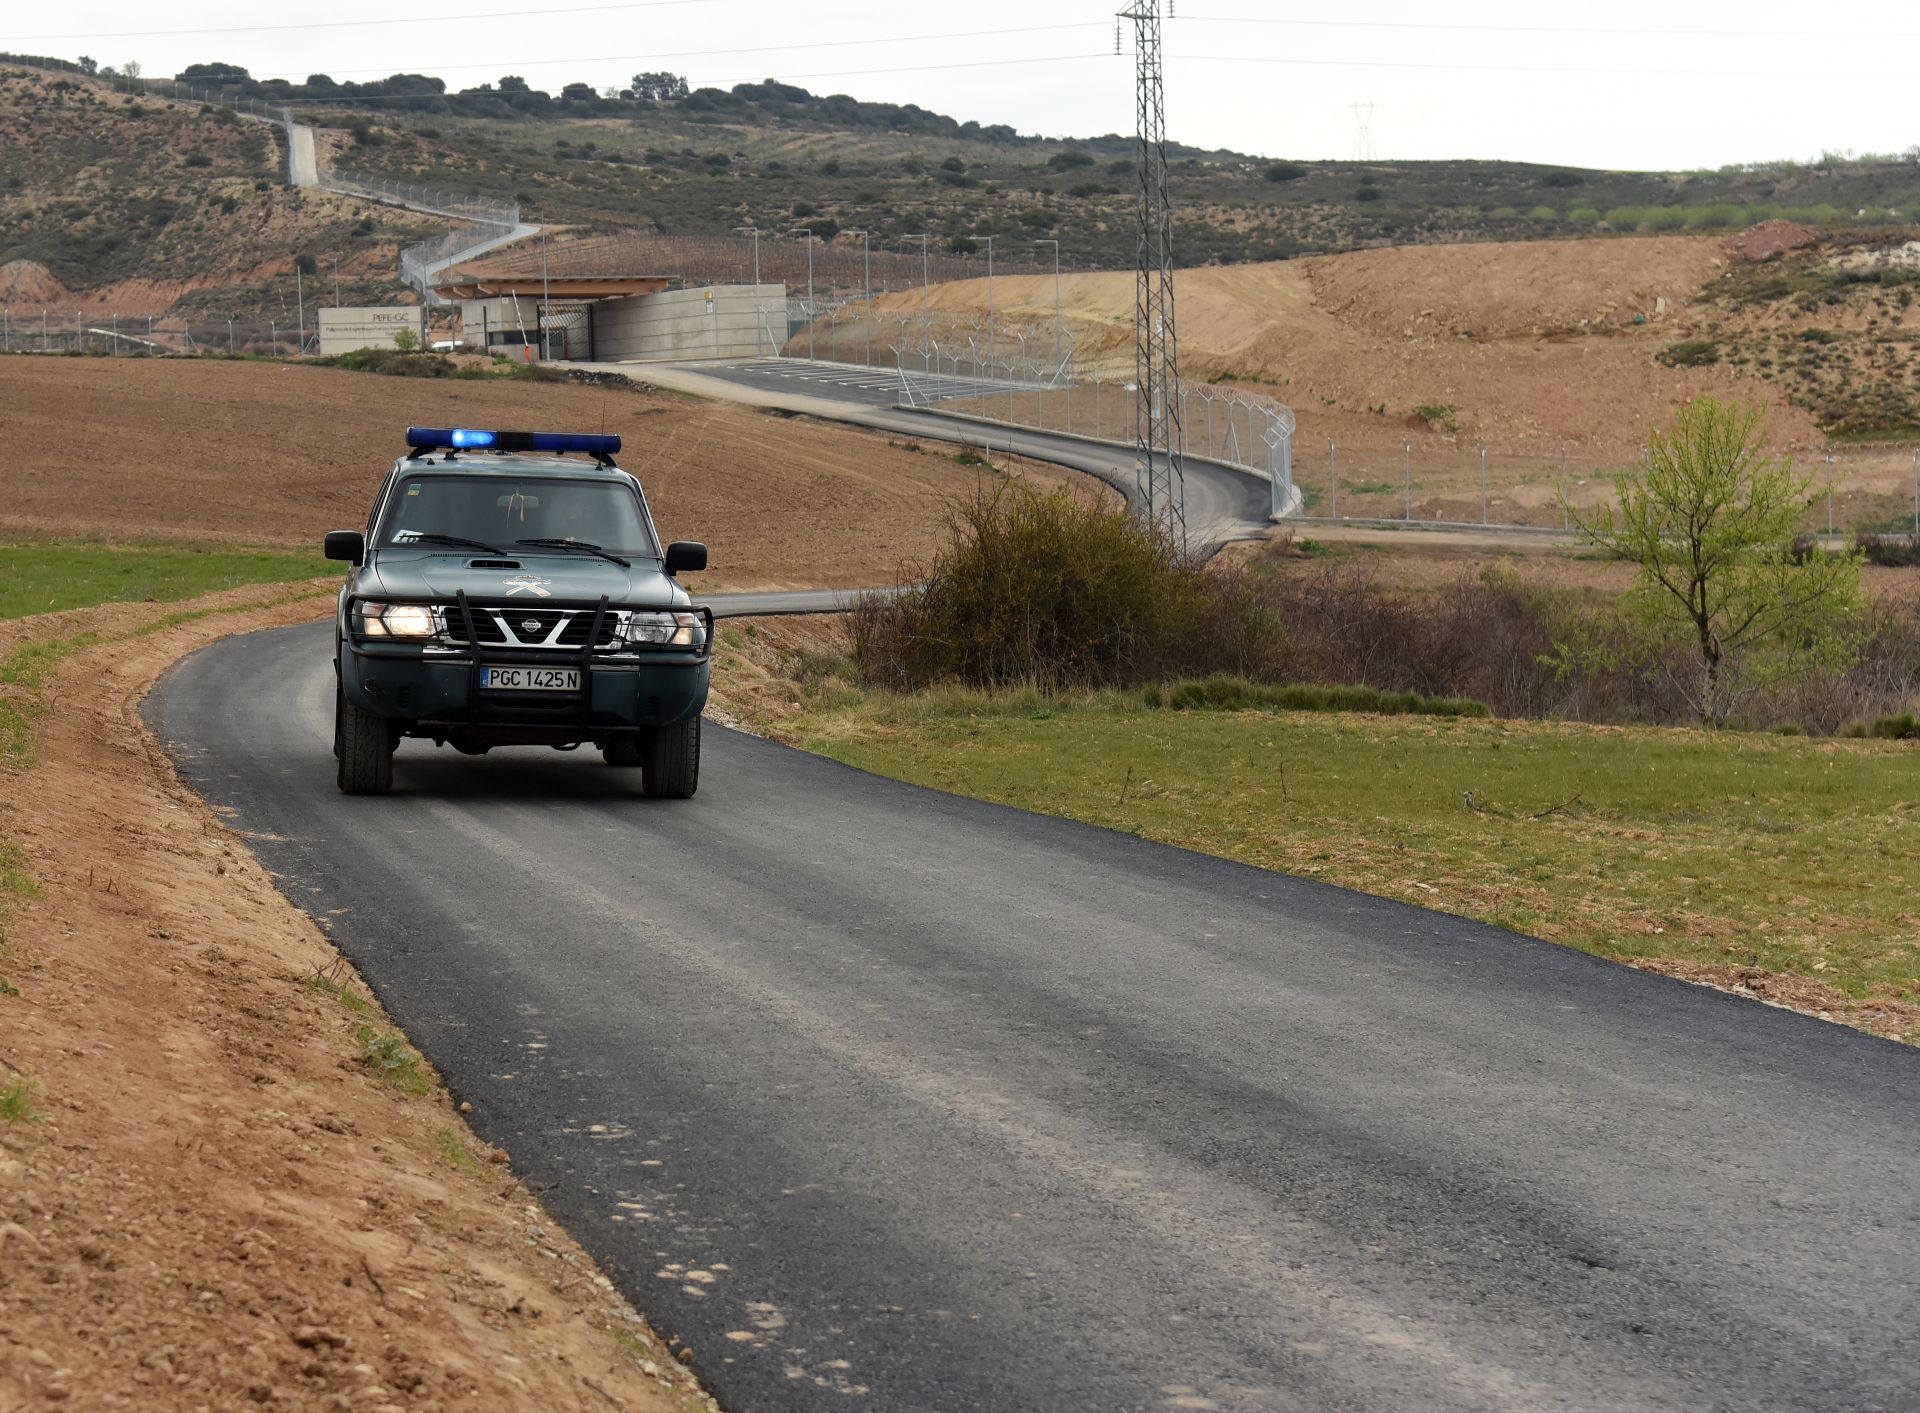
x: 218, y: 1201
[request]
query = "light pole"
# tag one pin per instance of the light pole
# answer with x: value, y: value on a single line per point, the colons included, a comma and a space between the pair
x: 807, y: 231
x: 759, y: 314
x: 866, y: 263
x: 926, y: 310
x: 300, y: 296
x: 992, y: 363
x: 1056, y: 299
x: 545, y: 293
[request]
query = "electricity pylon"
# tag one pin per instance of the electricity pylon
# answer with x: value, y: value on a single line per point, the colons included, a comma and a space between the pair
x: 1158, y: 474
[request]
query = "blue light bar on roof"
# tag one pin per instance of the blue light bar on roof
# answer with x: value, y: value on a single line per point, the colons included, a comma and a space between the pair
x: 475, y: 438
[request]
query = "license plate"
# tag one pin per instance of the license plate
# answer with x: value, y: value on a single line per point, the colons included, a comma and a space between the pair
x: 530, y: 679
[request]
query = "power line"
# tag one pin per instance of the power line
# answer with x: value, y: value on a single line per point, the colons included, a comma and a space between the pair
x: 350, y: 24
x: 723, y: 53
x: 1634, y: 70
x: 1541, y: 29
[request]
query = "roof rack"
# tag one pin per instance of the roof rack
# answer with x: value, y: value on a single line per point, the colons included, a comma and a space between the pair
x: 601, y: 446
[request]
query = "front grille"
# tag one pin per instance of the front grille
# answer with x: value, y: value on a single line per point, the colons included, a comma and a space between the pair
x: 519, y: 626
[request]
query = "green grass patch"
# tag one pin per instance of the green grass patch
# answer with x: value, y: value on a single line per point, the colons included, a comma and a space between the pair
x: 1788, y: 854
x: 13, y: 873
x: 388, y: 1055
x: 27, y: 668
x: 341, y: 993
x: 450, y: 1141
x: 51, y: 575
x: 16, y: 1103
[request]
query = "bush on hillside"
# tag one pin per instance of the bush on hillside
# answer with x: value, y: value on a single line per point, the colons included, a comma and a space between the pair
x: 393, y: 362
x: 1531, y: 651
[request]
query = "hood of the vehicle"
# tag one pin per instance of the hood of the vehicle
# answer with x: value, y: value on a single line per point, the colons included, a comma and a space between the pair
x: 541, y: 578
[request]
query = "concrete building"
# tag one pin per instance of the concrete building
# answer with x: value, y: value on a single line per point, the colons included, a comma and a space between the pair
x: 614, y: 318
x: 344, y: 329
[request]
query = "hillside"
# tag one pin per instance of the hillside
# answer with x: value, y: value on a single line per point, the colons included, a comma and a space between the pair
x: 141, y: 205
x: 103, y: 187
x: 1524, y: 345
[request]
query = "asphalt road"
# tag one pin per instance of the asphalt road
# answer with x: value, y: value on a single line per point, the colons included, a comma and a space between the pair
x: 1223, y: 503
x: 972, y: 1109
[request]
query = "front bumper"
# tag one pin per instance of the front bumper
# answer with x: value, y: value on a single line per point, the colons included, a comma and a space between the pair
x: 436, y: 691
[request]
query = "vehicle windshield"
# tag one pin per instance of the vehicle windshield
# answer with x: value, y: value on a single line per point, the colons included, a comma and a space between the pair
x: 500, y: 511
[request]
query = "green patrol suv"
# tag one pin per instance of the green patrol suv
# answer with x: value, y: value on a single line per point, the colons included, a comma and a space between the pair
x: 507, y: 593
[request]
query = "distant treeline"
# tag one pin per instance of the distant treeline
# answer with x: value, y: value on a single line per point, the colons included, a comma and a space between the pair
x: 513, y: 97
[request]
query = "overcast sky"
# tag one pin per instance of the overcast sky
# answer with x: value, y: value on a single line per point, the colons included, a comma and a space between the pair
x: 1635, y: 83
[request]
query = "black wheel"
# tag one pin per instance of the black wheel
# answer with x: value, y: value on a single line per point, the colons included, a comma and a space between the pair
x: 364, y: 743
x: 671, y: 761
x: 624, y: 752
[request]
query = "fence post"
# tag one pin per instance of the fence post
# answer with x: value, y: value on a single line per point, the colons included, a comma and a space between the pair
x: 1407, y: 450
x: 1096, y: 420
x: 1333, y: 481
x: 1913, y: 471
x: 1483, y: 485
x: 1566, y: 496
x: 1829, y: 492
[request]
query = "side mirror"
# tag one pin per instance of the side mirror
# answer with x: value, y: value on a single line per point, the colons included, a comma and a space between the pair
x: 685, y: 557
x: 349, y: 545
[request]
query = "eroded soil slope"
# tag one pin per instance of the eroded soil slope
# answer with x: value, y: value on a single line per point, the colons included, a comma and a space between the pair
x: 1530, y: 344
x: 221, y: 1183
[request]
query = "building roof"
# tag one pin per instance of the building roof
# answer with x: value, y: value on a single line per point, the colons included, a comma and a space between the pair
x: 477, y: 283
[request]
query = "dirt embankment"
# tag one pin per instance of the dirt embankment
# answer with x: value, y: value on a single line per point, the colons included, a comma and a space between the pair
x: 271, y: 453
x: 1532, y: 345
x: 216, y: 1201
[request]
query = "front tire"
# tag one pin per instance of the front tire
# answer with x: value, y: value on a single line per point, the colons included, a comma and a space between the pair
x: 365, y: 744
x: 670, y: 761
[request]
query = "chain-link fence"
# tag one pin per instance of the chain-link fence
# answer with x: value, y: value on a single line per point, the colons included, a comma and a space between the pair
x: 1018, y: 376
x: 1432, y: 482
x: 76, y: 332
x: 436, y: 201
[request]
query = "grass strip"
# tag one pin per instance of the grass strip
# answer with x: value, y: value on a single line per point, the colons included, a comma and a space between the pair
x: 48, y: 576
x: 27, y: 669
x: 1791, y: 855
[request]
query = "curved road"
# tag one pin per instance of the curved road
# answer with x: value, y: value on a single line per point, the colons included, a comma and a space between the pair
x: 859, y: 1087
x: 1223, y: 502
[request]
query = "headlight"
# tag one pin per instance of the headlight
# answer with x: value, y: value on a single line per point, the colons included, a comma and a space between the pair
x: 670, y: 630
x: 396, y: 620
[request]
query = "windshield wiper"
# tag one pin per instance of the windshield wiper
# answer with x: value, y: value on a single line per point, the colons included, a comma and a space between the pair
x: 439, y: 539
x: 590, y: 548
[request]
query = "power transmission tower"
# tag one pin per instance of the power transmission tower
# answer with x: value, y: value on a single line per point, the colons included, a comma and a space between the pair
x: 1158, y: 474
x: 1363, y: 150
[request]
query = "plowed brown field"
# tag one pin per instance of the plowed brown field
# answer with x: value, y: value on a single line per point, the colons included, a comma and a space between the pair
x: 272, y: 453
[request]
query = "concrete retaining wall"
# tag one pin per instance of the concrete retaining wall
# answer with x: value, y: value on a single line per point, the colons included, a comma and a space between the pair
x: 712, y: 321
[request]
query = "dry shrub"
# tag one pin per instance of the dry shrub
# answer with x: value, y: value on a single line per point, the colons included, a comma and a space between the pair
x: 1054, y: 589
x: 1492, y: 637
